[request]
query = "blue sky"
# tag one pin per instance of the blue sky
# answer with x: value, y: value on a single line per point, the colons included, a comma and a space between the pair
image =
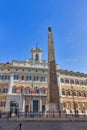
x: 23, y: 23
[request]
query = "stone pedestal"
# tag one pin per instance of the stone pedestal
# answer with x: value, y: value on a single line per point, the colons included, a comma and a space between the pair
x: 52, y: 110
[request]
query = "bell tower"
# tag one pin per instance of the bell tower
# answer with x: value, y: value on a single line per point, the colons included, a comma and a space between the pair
x: 36, y: 54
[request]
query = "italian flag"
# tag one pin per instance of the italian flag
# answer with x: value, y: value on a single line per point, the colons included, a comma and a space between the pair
x: 32, y: 90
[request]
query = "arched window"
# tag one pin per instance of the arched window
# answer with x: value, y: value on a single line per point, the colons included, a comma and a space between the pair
x: 5, y: 90
x: 68, y: 92
x: 77, y: 82
x: 27, y: 90
x: 84, y: 94
x: 63, y: 92
x: 86, y: 83
x: 72, y: 81
x: 43, y: 91
x: 42, y: 79
x: 1, y: 77
x: 64, y: 104
x: 69, y: 105
x: 14, y: 90
x: 81, y: 82
x: 28, y: 78
x: 21, y: 90
x: 62, y: 80
x: 22, y: 77
x: 36, y: 57
x: 79, y: 93
x: 36, y: 78
x: 7, y: 77
x: 66, y: 81
x: 73, y: 93
x: 37, y: 91
x: 15, y: 77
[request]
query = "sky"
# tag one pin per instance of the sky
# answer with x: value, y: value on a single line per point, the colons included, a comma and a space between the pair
x: 23, y: 23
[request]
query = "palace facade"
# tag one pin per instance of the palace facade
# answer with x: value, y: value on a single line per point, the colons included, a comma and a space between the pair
x: 16, y: 81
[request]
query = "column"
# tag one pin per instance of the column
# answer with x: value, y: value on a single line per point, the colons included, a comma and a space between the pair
x: 40, y: 105
x: 11, y: 83
x: 30, y: 105
x: 23, y: 106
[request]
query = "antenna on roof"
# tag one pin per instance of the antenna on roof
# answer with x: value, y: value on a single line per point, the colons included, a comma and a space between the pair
x: 37, y: 45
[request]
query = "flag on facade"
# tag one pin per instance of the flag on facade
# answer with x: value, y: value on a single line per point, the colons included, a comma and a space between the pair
x: 32, y: 89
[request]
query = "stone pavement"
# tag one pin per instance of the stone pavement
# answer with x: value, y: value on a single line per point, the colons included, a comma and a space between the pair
x: 43, y: 125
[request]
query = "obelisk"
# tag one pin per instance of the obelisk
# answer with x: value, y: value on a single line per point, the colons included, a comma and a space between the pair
x: 53, y: 105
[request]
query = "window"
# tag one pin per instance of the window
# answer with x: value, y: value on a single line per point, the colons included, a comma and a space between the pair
x: 62, y: 80
x: 64, y: 105
x: 3, y: 103
x: 22, y: 77
x: 36, y: 78
x: 68, y: 93
x: 1, y: 77
x: 66, y: 81
x: 79, y: 93
x: 27, y: 90
x: 37, y: 91
x: 5, y: 90
x: 69, y: 105
x: 15, y: 77
x: 81, y: 82
x: 28, y: 78
x: 63, y: 92
x: 37, y: 57
x: 84, y: 94
x: 42, y: 79
x: 7, y: 77
x: 77, y: 82
x: 73, y: 93
x: 43, y: 91
x: 72, y: 81
x: 21, y: 90
x: 86, y: 83
x: 14, y: 90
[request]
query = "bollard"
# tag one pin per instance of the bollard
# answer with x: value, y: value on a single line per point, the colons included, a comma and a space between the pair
x: 20, y: 126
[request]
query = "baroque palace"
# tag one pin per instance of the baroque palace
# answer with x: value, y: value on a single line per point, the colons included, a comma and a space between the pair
x: 17, y: 78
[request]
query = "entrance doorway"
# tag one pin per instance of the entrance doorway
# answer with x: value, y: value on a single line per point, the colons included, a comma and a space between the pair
x: 26, y: 108
x: 43, y: 108
x: 14, y: 107
x: 35, y: 105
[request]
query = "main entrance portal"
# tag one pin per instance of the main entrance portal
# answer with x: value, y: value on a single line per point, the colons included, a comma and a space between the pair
x: 14, y: 107
x: 35, y: 105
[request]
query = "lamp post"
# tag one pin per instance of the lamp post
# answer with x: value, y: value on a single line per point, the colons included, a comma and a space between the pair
x: 73, y: 101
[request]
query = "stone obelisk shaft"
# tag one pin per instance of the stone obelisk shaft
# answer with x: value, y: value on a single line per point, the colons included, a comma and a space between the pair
x: 53, y: 92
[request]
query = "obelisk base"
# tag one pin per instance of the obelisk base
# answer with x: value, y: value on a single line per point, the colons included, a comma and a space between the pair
x: 52, y: 110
